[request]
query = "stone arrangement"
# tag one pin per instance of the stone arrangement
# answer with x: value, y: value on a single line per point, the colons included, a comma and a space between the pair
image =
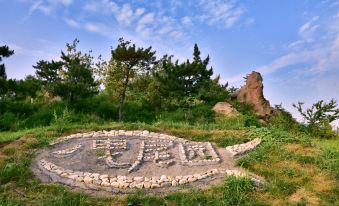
x: 118, y: 160
x: 67, y: 152
x: 242, y: 148
x: 91, y: 180
x: 197, y: 154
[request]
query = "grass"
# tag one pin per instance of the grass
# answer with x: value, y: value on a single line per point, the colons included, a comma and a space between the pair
x: 298, y: 170
x: 100, y: 152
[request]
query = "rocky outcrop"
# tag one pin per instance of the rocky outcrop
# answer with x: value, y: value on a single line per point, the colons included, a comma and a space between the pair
x: 252, y: 94
x: 226, y: 109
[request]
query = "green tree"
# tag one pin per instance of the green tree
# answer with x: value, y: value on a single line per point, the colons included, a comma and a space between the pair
x: 24, y: 88
x: 4, y: 53
x: 319, y: 116
x: 126, y: 63
x: 49, y: 74
x: 184, y: 80
x: 320, y: 112
x: 77, y: 79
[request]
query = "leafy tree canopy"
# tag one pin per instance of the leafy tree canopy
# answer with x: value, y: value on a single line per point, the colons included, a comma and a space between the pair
x: 126, y: 63
x: 320, y: 113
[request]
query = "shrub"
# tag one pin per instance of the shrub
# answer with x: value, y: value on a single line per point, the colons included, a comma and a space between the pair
x: 100, y: 105
x: 44, y: 116
x: 197, y: 114
x: 251, y: 120
x: 15, y: 171
x: 283, y: 120
x: 61, y: 121
x: 8, y: 121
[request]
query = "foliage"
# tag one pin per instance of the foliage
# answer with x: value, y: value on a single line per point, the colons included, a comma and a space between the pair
x: 78, y: 80
x: 27, y: 88
x: 319, y: 117
x: 61, y: 121
x: 8, y: 121
x: 50, y: 74
x: 179, y: 81
x: 4, y: 52
x: 283, y: 120
x: 320, y: 112
x: 126, y: 63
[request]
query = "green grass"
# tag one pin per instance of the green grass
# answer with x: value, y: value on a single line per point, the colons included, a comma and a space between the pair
x: 328, y: 144
x: 100, y: 152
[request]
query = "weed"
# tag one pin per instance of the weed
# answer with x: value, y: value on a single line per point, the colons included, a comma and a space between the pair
x: 100, y: 152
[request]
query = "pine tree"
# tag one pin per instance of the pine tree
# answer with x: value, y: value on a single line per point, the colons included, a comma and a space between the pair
x: 49, y: 73
x: 181, y: 80
x: 4, y: 52
x: 77, y: 74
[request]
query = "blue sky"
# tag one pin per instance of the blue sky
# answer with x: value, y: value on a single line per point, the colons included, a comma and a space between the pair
x: 293, y: 43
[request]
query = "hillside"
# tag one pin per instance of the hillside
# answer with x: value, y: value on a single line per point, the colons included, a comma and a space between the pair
x: 137, y: 130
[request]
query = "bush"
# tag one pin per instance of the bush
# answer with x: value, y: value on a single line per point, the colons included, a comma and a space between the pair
x: 198, y: 114
x: 8, y: 121
x: 15, y: 171
x: 283, y: 120
x: 323, y: 131
x: 251, y: 120
x: 61, y: 121
x: 44, y: 116
x: 100, y: 105
x: 20, y: 108
x: 137, y: 112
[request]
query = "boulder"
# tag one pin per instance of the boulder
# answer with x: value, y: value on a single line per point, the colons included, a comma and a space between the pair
x: 252, y: 94
x: 225, y: 108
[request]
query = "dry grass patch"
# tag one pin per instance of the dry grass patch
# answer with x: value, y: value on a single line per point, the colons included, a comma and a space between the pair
x: 291, y: 164
x: 301, y: 150
x: 323, y: 182
x: 267, y: 198
x: 303, y: 195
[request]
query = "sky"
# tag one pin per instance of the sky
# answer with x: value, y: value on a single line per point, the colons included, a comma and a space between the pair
x: 294, y: 44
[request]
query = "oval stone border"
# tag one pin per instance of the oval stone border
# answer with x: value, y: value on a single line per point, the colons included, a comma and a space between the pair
x: 110, y: 183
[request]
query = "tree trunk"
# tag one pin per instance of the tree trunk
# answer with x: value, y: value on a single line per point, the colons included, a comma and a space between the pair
x: 122, y: 104
x: 123, y: 97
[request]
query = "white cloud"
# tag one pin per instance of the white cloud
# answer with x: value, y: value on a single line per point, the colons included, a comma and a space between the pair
x: 143, y: 23
x: 124, y: 15
x: 186, y: 21
x: 92, y: 27
x: 104, y: 6
x: 307, y: 30
x: 146, y: 19
x: 47, y: 6
x: 72, y: 23
x: 139, y: 11
x: 221, y: 12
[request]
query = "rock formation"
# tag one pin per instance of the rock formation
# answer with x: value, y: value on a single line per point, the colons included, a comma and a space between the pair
x: 226, y: 109
x: 252, y: 94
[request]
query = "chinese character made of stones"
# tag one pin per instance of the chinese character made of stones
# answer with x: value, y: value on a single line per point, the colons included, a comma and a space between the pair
x: 155, y: 151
